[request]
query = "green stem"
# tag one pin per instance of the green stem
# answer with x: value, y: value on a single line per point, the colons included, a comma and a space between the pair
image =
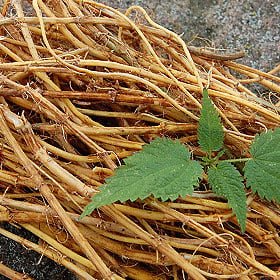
x: 236, y: 159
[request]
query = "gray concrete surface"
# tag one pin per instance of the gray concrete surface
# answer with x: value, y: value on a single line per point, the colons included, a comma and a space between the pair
x: 252, y: 25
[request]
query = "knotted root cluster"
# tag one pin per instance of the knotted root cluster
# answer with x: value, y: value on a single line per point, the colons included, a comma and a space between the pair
x: 84, y: 86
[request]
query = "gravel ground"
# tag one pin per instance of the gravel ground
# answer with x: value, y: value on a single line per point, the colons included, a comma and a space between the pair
x: 252, y: 25
x: 22, y: 260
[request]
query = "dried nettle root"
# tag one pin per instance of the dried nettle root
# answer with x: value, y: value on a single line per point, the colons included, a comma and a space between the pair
x: 84, y: 86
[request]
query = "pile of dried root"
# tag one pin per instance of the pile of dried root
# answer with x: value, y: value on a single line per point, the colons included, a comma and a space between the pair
x: 82, y: 87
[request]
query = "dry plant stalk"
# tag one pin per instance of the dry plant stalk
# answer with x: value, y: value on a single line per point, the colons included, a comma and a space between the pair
x: 84, y: 86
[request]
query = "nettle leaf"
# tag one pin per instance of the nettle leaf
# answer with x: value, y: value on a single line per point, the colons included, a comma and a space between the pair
x: 163, y: 168
x: 226, y: 181
x: 210, y: 129
x: 263, y: 170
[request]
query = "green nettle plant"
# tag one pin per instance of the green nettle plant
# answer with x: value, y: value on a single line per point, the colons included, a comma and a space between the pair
x: 164, y: 169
